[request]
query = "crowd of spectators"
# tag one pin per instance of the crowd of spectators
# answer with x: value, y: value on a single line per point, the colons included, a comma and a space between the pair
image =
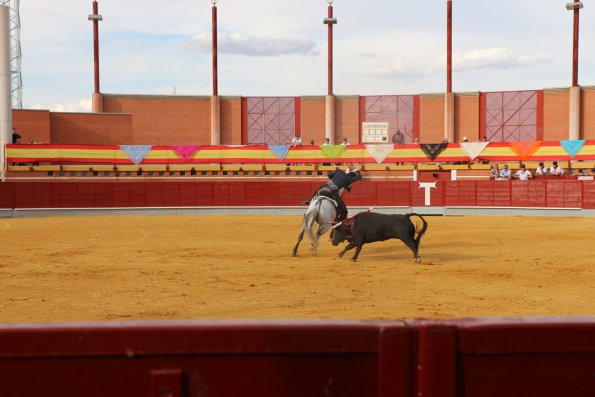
x: 523, y: 173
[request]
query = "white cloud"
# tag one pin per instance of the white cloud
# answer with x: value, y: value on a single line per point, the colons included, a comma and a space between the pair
x: 249, y: 45
x: 493, y: 58
x: 398, y: 69
x: 84, y: 105
x: 388, y: 47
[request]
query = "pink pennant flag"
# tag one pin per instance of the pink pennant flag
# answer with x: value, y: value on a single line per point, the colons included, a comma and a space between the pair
x: 186, y: 151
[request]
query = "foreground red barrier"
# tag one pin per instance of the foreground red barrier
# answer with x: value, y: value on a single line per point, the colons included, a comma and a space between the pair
x: 469, y: 193
x: 469, y: 357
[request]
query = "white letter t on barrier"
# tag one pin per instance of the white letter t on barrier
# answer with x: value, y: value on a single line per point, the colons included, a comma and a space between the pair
x: 427, y: 186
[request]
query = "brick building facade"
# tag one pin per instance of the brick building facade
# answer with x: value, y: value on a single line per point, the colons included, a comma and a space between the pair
x: 184, y: 120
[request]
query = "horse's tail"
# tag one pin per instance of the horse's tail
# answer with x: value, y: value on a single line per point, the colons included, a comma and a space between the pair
x: 309, y: 219
x: 419, y: 231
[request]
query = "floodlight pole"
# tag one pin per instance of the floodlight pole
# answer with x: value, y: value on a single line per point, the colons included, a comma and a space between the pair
x: 95, y: 17
x: 330, y: 98
x: 575, y: 91
x: 214, y: 50
x: 577, y: 5
x: 215, y: 100
x: 449, y: 98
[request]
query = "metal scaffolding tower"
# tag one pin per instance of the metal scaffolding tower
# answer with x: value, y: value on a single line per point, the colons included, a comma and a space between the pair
x: 15, y: 52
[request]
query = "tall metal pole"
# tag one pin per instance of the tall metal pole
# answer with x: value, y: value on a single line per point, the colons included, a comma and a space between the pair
x: 96, y: 46
x: 574, y: 95
x: 95, y: 17
x: 575, y: 48
x: 215, y: 100
x: 330, y: 99
x: 449, y: 46
x: 330, y: 49
x: 214, y: 49
x: 449, y: 98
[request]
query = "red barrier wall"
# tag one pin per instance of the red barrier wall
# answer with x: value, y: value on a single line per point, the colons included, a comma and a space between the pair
x: 470, y: 357
x: 90, y: 194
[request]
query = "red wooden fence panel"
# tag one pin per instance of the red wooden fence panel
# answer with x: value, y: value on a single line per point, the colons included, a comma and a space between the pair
x: 85, y: 194
x: 430, y: 358
x: 526, y: 357
x: 251, y: 359
x: 588, y: 194
x: 502, y: 194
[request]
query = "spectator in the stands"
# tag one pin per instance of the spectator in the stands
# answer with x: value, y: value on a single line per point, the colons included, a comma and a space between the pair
x: 296, y: 141
x: 541, y: 169
x: 16, y: 138
x: 523, y: 174
x: 556, y: 169
x: 505, y: 172
x: 398, y: 138
x: 494, y: 171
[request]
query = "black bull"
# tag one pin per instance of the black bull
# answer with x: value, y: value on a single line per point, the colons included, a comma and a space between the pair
x: 369, y: 227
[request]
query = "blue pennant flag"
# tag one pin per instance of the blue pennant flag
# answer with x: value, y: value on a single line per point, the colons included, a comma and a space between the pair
x: 136, y: 152
x: 280, y: 151
x: 572, y: 147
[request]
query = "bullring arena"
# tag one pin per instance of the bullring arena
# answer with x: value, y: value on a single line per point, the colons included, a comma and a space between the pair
x: 239, y: 266
x: 146, y: 245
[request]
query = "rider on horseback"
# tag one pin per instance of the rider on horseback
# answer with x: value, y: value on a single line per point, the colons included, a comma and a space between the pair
x: 338, y: 180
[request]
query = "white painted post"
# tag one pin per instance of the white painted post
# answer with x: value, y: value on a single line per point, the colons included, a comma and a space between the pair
x: 5, y: 88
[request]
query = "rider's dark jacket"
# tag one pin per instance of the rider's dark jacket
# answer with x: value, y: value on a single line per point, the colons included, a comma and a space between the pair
x: 342, y: 179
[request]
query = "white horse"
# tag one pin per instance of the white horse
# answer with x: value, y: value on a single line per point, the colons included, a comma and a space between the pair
x: 321, y: 210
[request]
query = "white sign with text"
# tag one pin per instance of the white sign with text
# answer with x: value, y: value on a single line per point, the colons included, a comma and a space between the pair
x: 375, y: 132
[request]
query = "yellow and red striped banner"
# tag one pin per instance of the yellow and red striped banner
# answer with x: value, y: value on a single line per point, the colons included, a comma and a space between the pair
x: 260, y: 154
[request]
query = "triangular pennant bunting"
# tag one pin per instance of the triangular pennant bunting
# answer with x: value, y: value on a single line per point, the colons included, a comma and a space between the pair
x: 473, y: 149
x: 432, y: 150
x: 380, y: 152
x: 186, y: 151
x: 136, y: 152
x: 280, y: 151
x: 572, y: 147
x: 333, y: 151
x: 525, y: 149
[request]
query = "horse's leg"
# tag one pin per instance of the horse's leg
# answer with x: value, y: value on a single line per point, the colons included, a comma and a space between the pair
x: 300, y: 237
x: 323, y: 229
x: 349, y: 246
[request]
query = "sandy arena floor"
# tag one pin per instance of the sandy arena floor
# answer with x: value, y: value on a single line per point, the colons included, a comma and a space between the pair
x: 204, y: 267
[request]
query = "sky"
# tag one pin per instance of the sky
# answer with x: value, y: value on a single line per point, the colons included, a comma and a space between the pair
x: 279, y: 48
